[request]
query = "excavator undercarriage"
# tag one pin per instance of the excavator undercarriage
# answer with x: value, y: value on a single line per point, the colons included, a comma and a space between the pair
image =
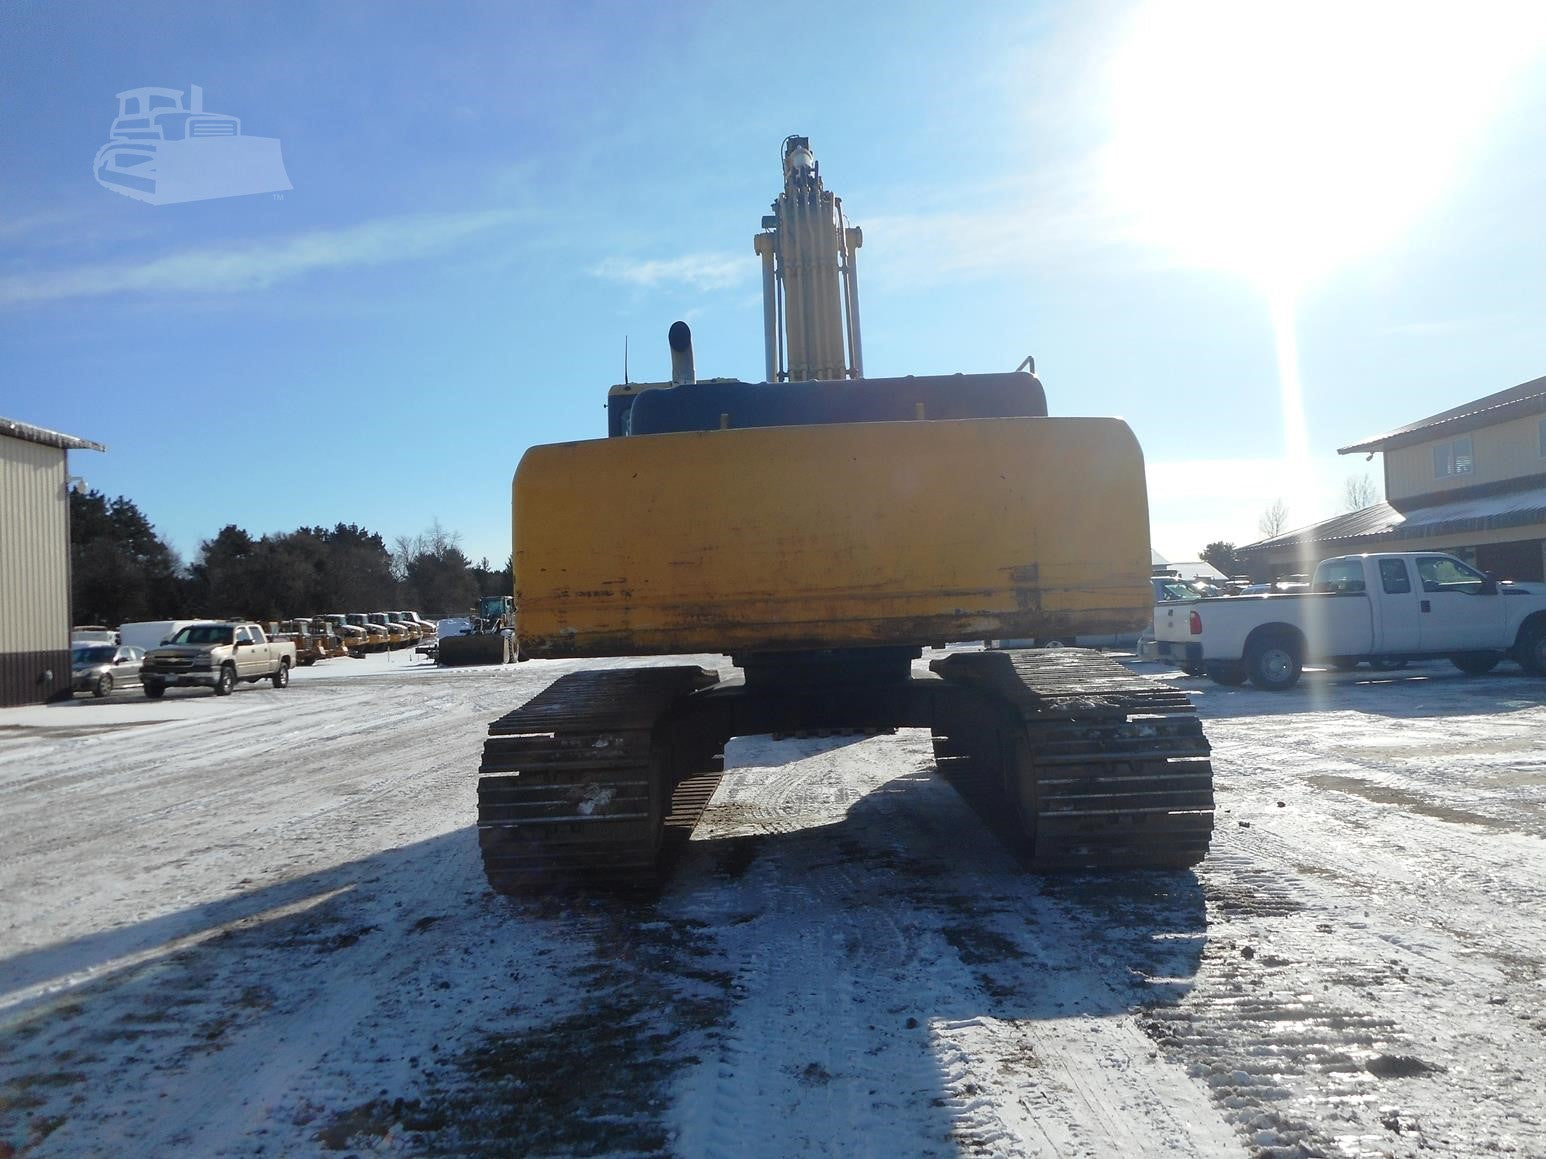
x: 1072, y: 760
x: 822, y: 529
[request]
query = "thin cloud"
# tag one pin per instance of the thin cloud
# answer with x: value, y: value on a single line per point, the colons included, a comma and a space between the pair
x: 28, y: 226
x: 257, y: 265
x: 1436, y: 329
x: 700, y: 271
x: 1045, y: 221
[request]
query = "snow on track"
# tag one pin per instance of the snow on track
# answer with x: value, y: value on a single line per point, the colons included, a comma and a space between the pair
x: 258, y: 925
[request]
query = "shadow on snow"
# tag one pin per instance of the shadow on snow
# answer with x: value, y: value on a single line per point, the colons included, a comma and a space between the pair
x: 559, y: 1026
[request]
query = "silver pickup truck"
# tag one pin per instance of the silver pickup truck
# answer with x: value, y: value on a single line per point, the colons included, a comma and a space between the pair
x: 217, y: 654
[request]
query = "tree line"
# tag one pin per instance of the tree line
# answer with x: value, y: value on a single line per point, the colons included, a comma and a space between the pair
x: 123, y: 571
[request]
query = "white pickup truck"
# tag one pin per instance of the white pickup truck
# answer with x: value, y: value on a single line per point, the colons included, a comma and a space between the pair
x: 217, y: 654
x: 1385, y: 608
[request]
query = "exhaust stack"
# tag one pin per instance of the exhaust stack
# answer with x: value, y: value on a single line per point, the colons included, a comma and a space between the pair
x: 680, y: 337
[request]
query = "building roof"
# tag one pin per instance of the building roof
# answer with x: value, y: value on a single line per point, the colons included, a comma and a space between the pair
x: 1384, y: 522
x: 1525, y: 399
x: 31, y: 434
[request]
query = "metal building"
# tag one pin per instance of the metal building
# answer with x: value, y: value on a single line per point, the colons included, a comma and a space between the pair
x: 35, y: 562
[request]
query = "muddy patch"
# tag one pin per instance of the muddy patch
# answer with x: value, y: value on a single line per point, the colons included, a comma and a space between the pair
x: 1411, y: 802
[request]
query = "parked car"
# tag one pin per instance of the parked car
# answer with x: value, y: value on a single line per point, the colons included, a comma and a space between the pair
x: 100, y: 668
x: 1166, y: 589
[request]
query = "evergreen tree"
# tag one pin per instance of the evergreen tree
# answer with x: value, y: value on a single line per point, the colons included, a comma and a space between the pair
x: 120, y: 569
x: 1224, y: 557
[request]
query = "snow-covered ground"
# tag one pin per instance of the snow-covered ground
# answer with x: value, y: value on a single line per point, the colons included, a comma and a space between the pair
x: 258, y: 925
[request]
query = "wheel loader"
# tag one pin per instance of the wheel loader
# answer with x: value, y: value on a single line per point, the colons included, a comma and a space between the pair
x: 487, y: 639
x: 822, y: 529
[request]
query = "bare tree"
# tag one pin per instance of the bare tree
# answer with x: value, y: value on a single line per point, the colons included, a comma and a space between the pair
x: 434, y: 540
x: 1274, y: 520
x: 404, y: 548
x: 1358, y: 492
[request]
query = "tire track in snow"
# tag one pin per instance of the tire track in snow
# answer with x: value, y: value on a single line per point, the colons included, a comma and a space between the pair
x: 1313, y: 1018
x: 930, y: 948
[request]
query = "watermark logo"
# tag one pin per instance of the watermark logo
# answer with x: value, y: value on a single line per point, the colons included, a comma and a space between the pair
x: 164, y: 148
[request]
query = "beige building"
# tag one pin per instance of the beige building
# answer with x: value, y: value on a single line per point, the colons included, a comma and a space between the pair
x: 35, y: 562
x: 1470, y: 481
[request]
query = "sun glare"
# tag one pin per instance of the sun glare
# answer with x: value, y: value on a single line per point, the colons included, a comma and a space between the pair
x: 1280, y: 140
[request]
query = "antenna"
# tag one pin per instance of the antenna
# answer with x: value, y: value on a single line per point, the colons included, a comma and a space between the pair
x: 625, y: 360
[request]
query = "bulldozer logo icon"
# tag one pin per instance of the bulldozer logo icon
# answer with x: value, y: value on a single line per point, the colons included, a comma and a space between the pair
x: 164, y: 149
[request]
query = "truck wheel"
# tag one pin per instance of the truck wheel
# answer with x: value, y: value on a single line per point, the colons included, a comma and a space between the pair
x: 103, y: 686
x: 1194, y: 669
x: 1225, y: 673
x: 1274, y: 663
x: 154, y: 690
x: 1475, y: 663
x: 282, y: 677
x: 1531, y: 650
x: 226, y: 681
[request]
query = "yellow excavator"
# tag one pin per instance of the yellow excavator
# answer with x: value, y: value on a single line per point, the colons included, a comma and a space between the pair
x: 823, y: 528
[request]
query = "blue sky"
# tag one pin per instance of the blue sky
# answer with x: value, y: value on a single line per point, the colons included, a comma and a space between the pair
x: 489, y: 197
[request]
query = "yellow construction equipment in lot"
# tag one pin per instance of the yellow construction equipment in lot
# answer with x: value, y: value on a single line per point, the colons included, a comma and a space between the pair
x: 488, y: 639
x: 823, y: 528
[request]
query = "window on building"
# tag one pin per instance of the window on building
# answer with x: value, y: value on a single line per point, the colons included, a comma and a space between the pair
x: 1453, y: 458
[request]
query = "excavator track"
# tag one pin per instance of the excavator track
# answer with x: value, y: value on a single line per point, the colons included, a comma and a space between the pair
x: 1069, y: 757
x: 1076, y: 761
x: 577, y: 785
